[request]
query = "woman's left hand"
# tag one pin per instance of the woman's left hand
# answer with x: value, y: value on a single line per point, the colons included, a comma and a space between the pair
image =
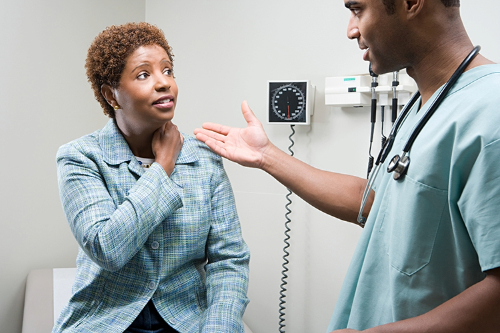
x: 166, y: 145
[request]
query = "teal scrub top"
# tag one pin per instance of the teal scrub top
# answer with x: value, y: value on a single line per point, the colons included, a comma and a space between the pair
x: 434, y: 233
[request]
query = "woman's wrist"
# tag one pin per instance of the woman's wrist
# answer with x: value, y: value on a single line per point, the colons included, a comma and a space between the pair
x: 167, y: 164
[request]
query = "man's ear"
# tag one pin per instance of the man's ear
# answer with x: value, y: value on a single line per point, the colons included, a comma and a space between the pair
x: 109, y: 94
x: 413, y: 7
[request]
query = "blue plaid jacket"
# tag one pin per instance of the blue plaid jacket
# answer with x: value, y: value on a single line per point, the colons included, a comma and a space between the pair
x: 143, y: 235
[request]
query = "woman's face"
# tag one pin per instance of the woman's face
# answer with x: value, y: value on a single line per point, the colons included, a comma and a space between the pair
x: 147, y: 92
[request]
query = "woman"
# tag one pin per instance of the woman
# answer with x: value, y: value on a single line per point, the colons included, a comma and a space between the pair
x: 152, y: 210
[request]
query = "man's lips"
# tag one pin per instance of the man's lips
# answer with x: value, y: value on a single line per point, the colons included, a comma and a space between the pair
x: 365, y: 55
x: 362, y: 46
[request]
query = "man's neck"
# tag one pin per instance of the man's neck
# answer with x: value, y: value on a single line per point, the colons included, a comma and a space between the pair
x: 440, y: 45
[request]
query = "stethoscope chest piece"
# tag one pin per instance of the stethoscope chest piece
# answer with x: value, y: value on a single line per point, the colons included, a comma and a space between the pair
x: 399, y: 165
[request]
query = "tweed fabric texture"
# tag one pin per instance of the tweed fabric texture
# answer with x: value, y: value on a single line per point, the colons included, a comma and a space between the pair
x: 143, y: 235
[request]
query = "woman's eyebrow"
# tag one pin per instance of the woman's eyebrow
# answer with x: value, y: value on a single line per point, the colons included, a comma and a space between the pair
x: 146, y: 63
x: 140, y: 65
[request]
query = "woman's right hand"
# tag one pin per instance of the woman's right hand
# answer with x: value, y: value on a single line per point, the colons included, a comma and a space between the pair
x: 246, y: 146
x: 167, y: 143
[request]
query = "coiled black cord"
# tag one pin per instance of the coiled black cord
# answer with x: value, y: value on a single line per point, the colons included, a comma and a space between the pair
x: 287, y: 245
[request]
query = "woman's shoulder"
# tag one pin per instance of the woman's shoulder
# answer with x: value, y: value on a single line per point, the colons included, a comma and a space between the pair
x: 83, y: 145
x: 199, y: 148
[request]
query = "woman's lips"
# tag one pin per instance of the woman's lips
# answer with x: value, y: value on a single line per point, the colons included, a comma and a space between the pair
x: 164, y: 103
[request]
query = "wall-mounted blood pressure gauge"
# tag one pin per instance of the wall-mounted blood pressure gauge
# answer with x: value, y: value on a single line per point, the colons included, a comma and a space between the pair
x: 290, y: 102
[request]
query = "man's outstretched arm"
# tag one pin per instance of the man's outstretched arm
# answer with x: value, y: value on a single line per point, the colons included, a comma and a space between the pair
x: 336, y: 194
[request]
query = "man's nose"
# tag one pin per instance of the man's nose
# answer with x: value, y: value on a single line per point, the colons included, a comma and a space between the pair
x: 352, y: 29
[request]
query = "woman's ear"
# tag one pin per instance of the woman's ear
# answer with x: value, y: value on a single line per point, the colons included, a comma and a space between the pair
x: 109, y: 95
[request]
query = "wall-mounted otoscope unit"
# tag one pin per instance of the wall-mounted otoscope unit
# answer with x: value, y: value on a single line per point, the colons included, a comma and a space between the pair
x: 356, y: 90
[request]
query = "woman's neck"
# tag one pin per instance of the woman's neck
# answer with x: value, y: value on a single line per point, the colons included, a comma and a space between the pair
x: 138, y: 140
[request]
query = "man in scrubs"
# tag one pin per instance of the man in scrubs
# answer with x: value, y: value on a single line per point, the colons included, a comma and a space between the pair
x: 429, y: 256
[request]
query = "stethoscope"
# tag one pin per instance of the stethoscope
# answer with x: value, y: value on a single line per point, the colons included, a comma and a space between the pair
x: 399, y: 163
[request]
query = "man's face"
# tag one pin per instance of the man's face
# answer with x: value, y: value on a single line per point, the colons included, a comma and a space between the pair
x: 382, y: 35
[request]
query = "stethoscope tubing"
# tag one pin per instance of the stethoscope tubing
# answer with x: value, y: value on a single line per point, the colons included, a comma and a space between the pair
x: 441, y: 96
x: 384, y: 152
x: 361, y: 219
x: 437, y: 101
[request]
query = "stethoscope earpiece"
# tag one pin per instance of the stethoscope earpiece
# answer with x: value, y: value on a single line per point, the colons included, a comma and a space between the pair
x: 399, y: 165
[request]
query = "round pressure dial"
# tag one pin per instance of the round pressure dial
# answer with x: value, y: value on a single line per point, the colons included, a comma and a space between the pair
x: 287, y: 102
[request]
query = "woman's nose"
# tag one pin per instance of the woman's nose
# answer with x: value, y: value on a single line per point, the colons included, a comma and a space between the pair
x: 162, y: 82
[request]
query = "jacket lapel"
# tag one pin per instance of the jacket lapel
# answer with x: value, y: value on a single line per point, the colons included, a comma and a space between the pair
x: 116, y: 150
x: 188, y: 153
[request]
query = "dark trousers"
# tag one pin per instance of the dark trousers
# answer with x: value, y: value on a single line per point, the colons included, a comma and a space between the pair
x: 149, y: 321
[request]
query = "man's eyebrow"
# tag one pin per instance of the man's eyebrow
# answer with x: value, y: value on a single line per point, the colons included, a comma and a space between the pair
x: 349, y: 4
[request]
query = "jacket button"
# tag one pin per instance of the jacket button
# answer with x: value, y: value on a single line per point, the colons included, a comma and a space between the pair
x: 152, y: 285
x: 155, y: 245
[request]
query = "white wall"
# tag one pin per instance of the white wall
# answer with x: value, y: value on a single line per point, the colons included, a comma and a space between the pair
x: 45, y: 101
x: 225, y: 51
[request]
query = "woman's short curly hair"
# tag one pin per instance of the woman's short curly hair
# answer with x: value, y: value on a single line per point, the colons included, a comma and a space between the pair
x: 109, y: 51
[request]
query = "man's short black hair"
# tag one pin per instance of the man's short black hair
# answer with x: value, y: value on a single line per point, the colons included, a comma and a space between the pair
x: 390, y: 5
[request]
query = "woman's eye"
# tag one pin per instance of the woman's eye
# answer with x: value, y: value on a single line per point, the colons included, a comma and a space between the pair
x: 142, y: 76
x: 167, y: 71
